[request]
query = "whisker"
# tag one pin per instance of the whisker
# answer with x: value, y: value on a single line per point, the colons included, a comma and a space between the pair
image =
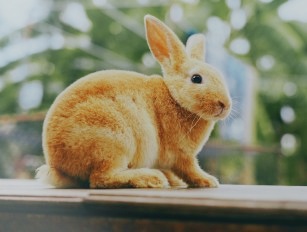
x: 194, y: 119
x: 234, y: 114
x: 190, y: 114
x: 199, y: 117
x: 235, y: 98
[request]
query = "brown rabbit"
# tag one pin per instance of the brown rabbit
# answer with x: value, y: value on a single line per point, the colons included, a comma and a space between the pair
x: 118, y: 129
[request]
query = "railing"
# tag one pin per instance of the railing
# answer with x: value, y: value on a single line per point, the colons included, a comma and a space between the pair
x: 30, y: 206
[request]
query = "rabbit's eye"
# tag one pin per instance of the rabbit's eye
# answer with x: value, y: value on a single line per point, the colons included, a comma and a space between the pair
x: 197, y: 79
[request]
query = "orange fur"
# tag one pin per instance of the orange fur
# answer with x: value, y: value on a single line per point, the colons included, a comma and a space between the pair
x: 116, y: 129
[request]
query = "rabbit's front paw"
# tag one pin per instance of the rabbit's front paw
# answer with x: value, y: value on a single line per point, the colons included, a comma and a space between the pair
x: 154, y: 179
x: 205, y: 181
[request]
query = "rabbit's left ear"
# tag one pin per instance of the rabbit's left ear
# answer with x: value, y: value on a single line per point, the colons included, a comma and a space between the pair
x: 164, y: 44
x: 195, y: 47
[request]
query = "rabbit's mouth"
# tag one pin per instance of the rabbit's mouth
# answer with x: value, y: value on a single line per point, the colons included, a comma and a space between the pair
x: 220, y: 113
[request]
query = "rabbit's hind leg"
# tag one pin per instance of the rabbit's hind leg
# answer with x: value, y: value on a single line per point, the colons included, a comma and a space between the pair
x: 128, y: 178
x: 49, y: 175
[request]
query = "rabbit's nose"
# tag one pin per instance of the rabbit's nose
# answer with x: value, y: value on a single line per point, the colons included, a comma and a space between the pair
x: 222, y: 108
x: 221, y: 104
x: 224, y: 104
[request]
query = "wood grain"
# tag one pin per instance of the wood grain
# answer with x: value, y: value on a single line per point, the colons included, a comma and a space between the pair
x: 31, y: 206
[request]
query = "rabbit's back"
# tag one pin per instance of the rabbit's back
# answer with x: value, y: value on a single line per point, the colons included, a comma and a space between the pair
x: 99, y: 114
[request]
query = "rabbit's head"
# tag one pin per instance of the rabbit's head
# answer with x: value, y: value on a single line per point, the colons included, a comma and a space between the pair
x: 194, y: 84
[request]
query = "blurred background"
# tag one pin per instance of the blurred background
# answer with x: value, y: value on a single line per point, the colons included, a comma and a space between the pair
x: 260, y: 46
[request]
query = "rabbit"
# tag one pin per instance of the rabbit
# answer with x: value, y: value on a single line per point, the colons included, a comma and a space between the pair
x: 122, y: 129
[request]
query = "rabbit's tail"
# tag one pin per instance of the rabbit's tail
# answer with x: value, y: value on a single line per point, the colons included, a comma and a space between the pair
x: 51, y: 176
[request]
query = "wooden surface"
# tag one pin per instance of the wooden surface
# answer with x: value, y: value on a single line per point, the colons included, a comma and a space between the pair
x: 31, y: 206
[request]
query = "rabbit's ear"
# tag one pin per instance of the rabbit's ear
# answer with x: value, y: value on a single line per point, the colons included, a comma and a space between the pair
x: 164, y: 44
x: 195, y: 46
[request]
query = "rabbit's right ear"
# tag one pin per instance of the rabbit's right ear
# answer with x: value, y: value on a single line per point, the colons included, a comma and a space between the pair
x: 164, y: 44
x: 195, y: 47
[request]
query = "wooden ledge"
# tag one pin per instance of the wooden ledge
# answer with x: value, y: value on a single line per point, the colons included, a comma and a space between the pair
x: 27, y: 205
